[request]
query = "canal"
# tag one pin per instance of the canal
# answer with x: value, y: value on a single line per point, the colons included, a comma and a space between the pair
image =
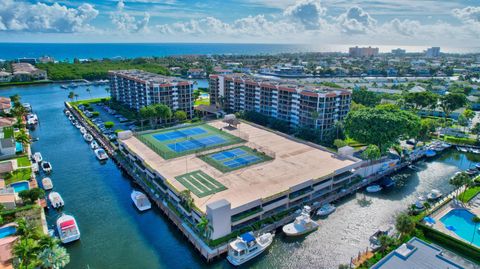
x: 116, y: 235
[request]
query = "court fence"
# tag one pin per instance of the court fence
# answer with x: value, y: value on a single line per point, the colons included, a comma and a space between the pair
x: 270, y: 153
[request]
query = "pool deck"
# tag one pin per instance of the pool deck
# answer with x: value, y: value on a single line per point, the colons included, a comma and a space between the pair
x: 295, y: 163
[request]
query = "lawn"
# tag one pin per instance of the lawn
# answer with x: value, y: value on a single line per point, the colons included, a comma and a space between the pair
x: 200, y: 183
x: 8, y: 132
x: 18, y: 175
x: 469, y: 194
x: 202, y: 101
x: 234, y: 158
x: 175, y: 142
x: 23, y: 161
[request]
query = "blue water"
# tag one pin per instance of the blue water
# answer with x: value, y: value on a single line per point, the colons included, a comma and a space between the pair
x: 6, y: 231
x: 104, y: 50
x: 20, y: 186
x: 18, y: 147
x: 461, y: 219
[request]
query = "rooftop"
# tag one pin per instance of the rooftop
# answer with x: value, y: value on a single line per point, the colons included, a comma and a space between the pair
x: 294, y: 163
x: 147, y: 76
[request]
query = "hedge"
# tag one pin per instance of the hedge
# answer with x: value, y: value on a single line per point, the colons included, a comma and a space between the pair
x: 464, y: 249
x: 460, y: 140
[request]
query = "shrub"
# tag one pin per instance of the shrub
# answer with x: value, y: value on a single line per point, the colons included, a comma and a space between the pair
x: 109, y: 124
x: 95, y: 113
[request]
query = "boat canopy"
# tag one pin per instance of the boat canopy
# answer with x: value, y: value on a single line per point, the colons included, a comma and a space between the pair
x: 247, y: 237
x: 67, y: 224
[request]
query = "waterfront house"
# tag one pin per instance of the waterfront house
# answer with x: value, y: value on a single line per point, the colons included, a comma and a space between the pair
x: 196, y: 73
x: 5, y: 105
x: 27, y: 72
x: 417, y: 254
x: 7, y: 143
x: 5, y: 76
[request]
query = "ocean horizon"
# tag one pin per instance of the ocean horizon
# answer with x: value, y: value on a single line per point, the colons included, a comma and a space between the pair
x: 69, y: 51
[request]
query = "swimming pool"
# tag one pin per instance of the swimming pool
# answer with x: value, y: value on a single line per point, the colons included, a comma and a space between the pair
x: 20, y: 186
x: 18, y: 147
x: 461, y: 220
x: 6, y: 231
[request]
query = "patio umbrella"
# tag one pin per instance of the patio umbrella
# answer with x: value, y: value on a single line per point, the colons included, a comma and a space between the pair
x: 450, y: 227
x: 429, y: 220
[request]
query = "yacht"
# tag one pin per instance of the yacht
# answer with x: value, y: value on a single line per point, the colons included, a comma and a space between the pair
x: 302, y: 224
x: 476, y: 151
x: 83, y: 130
x: 471, y: 171
x: 430, y: 153
x: 55, y: 199
x: 326, y: 210
x: 94, y: 145
x: 32, y: 119
x: 67, y: 113
x: 71, y: 118
x: 37, y: 157
x: 77, y: 125
x: 375, y: 238
x: 46, y: 167
x: 88, y: 137
x: 101, y: 154
x: 434, y: 194
x: 47, y: 183
x: 140, y: 200
x: 462, y: 149
x: 67, y: 229
x: 247, y: 247
x: 374, y: 188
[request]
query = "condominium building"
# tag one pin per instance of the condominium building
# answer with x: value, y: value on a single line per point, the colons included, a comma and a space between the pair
x: 432, y: 52
x: 299, y: 105
x: 136, y: 89
x: 362, y: 52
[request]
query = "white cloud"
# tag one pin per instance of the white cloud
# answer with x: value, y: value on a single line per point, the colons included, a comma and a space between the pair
x: 404, y: 27
x: 468, y: 14
x: 308, y: 12
x: 127, y: 23
x: 356, y: 21
x: 39, y: 17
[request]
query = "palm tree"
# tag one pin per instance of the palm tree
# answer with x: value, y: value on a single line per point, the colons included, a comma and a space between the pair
x: 25, y: 254
x: 205, y: 227
x: 23, y: 138
x: 385, y: 242
x: 19, y: 111
x: 89, y: 92
x: 26, y: 229
x: 404, y: 224
x: 55, y: 257
x: 476, y: 221
x: 71, y: 95
x: 187, y: 200
x: 459, y: 180
x: 76, y: 97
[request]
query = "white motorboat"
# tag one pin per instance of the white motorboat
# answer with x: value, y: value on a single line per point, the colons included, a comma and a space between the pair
x: 55, y: 199
x: 94, y: 145
x: 47, y: 183
x: 302, y: 224
x: 434, y: 194
x: 101, y: 154
x: 46, y: 167
x: 77, y: 125
x: 374, y: 188
x: 83, y: 130
x: 462, y: 149
x: 375, y: 238
x: 37, y: 157
x: 326, y: 210
x: 32, y: 119
x: 68, y: 230
x: 88, y: 137
x: 67, y: 113
x: 140, y: 200
x: 476, y: 151
x: 35, y: 168
x: 247, y: 247
x: 71, y: 118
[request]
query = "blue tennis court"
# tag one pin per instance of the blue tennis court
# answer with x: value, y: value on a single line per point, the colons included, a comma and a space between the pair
x: 228, y: 154
x: 193, y: 144
x: 241, y: 161
x: 176, y: 134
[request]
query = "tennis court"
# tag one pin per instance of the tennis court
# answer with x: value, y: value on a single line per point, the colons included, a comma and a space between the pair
x: 176, y: 134
x: 194, y: 144
x: 235, y: 158
x: 175, y: 142
x: 199, y: 183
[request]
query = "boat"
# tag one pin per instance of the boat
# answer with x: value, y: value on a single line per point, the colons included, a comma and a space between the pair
x: 64, y: 87
x: 471, y: 171
x: 462, y: 149
x: 414, y: 168
x: 67, y: 113
x: 375, y: 238
x: 302, y: 224
x: 247, y: 247
x: 430, y: 153
x: 46, y: 167
x: 78, y: 125
x: 477, y: 165
x: 67, y: 229
x: 71, y: 118
x: 88, y: 137
x: 37, y: 157
x: 434, y: 194
x: 476, y: 151
x: 446, y: 145
x: 140, y: 200
x: 326, y: 210
x: 374, y: 188
x: 32, y: 119
x: 47, y: 183
x: 101, y: 154
x: 55, y: 199
x: 35, y: 168
x: 387, y: 182
x: 94, y: 145
x: 83, y: 130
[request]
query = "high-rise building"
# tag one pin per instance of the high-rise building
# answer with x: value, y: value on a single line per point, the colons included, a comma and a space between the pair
x: 362, y: 52
x: 432, y: 52
x: 398, y: 52
x: 136, y: 89
x: 299, y: 105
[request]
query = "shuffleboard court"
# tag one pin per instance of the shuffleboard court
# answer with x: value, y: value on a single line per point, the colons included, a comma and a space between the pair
x: 200, y: 184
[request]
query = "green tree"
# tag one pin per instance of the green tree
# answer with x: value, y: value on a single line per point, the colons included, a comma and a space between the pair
x: 339, y: 143
x: 54, y: 257
x: 147, y: 113
x: 404, y: 224
x: 365, y: 97
x: 180, y: 115
x: 452, y: 101
x: 162, y: 112
x: 382, y: 126
x: 371, y: 153
x: 420, y: 100
x: 459, y: 180
x: 476, y: 129
x: 386, y: 242
x: 71, y: 95
x: 205, y: 227
x: 25, y: 253
x: 476, y: 221
x: 22, y: 137
x: 109, y: 124
x: 469, y: 114
x: 462, y: 121
x: 427, y: 126
x: 19, y: 111
x: 26, y: 228
x: 187, y: 200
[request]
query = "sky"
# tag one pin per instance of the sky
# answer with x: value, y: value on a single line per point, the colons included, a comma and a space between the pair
x: 380, y: 22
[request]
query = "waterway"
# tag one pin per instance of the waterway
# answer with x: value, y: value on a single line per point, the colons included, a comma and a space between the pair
x: 116, y: 235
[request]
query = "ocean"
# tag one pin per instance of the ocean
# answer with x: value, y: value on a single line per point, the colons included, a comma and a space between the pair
x: 69, y: 51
